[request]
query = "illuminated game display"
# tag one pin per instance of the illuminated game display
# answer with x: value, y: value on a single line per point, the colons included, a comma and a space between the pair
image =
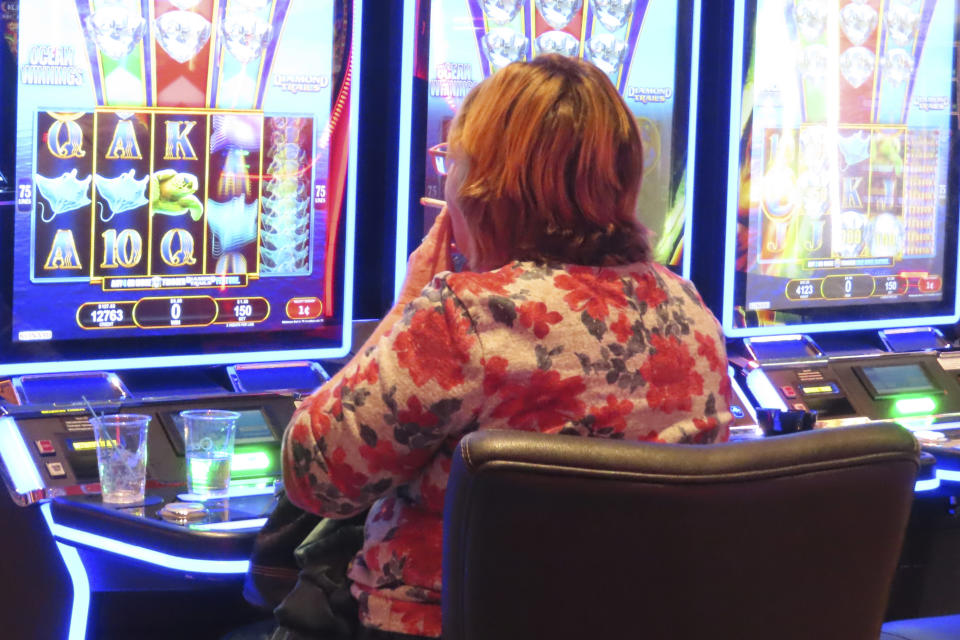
x: 846, y: 215
x: 181, y: 169
x: 646, y: 47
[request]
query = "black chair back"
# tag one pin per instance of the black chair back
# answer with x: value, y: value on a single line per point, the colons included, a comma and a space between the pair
x: 566, y: 538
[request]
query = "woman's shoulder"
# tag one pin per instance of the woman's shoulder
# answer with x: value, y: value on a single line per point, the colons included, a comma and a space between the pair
x: 525, y: 275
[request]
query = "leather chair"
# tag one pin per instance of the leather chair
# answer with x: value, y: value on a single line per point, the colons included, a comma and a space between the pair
x: 561, y: 537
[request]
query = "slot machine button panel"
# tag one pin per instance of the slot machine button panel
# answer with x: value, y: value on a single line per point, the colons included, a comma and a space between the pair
x: 788, y: 391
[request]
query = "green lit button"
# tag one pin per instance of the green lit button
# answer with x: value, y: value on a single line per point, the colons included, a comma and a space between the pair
x: 914, y: 406
x: 252, y: 461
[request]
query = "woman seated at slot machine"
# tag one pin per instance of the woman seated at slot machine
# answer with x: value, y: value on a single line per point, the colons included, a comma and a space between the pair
x: 560, y: 324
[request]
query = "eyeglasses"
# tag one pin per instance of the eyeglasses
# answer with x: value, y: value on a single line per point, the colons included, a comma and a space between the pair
x: 439, y: 155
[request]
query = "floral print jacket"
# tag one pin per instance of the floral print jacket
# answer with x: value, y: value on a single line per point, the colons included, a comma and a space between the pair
x: 626, y: 352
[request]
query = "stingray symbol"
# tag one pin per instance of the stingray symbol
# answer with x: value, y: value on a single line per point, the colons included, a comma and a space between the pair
x: 64, y: 194
x: 233, y: 223
x: 855, y: 147
x: 122, y: 193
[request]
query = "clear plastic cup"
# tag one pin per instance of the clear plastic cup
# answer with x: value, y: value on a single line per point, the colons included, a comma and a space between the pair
x: 208, y: 438
x: 121, y: 456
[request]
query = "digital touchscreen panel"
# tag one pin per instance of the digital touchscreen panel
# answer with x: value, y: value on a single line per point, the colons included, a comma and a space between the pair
x: 841, y: 160
x: 179, y: 169
x: 647, y: 48
x: 887, y: 380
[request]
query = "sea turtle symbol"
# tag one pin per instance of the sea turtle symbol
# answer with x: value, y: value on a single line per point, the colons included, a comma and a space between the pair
x: 171, y: 194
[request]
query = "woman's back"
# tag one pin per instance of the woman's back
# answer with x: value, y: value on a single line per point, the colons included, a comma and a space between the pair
x: 623, y: 352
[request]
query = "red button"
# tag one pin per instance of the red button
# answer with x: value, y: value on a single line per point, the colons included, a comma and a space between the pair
x: 45, y: 447
x: 788, y: 391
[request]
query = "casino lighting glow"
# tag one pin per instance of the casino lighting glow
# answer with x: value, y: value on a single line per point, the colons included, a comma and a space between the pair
x: 356, y: 61
x: 692, y: 138
x: 914, y: 406
x: 250, y: 461
x: 142, y: 554
x: 927, y: 485
x: 81, y: 591
x: 764, y: 391
x: 23, y: 472
x: 405, y: 140
x: 948, y: 475
x: 234, y: 525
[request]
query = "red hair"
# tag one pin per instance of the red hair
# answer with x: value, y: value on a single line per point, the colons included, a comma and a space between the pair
x: 554, y: 164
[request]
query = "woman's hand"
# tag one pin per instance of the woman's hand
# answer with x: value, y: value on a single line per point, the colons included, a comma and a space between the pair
x: 433, y: 256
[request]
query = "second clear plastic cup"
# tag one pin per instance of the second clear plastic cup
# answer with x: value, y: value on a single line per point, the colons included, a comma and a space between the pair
x: 208, y: 436
x: 121, y: 456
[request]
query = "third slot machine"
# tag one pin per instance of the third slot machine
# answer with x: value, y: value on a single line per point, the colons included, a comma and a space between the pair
x: 840, y: 255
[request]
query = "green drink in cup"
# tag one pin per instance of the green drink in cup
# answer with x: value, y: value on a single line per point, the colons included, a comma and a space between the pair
x: 208, y: 436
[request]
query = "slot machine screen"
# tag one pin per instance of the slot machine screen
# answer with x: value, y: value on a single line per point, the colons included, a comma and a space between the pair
x: 648, y: 49
x: 842, y: 208
x: 183, y: 183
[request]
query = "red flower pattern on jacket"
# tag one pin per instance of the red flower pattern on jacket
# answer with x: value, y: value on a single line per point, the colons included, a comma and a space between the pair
x: 382, y: 434
x: 672, y: 375
x: 544, y: 402
x: 622, y: 328
x: 494, y: 374
x: 592, y: 291
x: 707, y: 347
x: 647, y: 289
x: 536, y: 315
x: 347, y: 479
x: 612, y: 415
x: 430, y: 351
x: 495, y: 282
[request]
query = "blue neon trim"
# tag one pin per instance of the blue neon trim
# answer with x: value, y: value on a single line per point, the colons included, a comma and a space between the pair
x: 234, y: 491
x: 927, y: 485
x: 151, y: 556
x: 692, y: 141
x: 948, y: 475
x: 779, y: 338
x: 81, y: 591
x: 405, y: 139
x: 234, y: 357
x: 352, y: 162
x: 764, y: 391
x: 23, y: 472
x: 234, y: 525
x: 814, y: 327
x: 733, y: 166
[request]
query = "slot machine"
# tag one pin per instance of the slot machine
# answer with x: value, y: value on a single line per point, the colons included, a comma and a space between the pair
x: 836, y: 202
x: 840, y: 255
x: 180, y: 236
x: 650, y: 50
